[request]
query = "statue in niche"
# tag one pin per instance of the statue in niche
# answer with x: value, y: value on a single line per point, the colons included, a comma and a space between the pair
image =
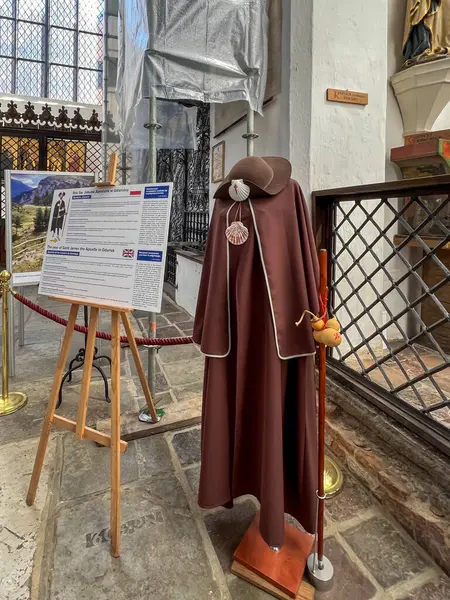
x: 427, y: 31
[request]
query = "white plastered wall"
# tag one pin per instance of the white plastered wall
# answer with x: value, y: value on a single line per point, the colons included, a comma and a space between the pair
x: 346, y: 142
x: 188, y: 282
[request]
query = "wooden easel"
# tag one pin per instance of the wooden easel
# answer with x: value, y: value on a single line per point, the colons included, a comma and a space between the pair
x: 112, y: 168
x: 79, y: 427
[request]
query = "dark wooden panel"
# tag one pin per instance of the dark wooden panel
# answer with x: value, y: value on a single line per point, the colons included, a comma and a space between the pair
x: 432, y: 274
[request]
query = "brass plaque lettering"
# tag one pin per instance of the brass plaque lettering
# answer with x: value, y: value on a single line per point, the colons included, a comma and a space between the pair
x: 347, y: 97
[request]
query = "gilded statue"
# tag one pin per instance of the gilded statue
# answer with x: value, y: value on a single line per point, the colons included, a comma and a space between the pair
x: 427, y: 31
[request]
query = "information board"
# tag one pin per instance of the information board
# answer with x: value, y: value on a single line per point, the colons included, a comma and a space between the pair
x: 111, y: 247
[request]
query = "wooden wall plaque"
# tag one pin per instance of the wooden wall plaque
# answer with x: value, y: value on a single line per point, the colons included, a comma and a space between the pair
x: 420, y: 138
x: 347, y: 97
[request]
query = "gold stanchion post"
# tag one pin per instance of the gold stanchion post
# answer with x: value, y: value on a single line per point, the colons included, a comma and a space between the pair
x: 10, y: 401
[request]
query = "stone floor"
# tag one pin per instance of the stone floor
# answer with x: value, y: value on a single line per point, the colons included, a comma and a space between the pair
x: 409, y: 364
x: 171, y: 549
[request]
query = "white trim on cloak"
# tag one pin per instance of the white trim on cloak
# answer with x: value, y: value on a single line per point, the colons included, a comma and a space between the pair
x: 268, y: 294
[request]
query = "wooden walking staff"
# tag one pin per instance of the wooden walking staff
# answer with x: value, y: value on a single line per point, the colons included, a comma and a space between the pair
x: 319, y: 567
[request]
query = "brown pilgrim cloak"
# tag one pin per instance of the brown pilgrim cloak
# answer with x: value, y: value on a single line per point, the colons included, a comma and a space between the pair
x: 259, y: 420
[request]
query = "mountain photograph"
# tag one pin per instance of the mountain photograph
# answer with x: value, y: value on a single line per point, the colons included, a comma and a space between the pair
x: 31, y: 199
x: 37, y: 189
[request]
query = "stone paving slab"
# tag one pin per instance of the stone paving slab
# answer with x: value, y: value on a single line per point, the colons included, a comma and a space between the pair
x: 162, y: 400
x: 167, y: 332
x: 398, y: 560
x: 191, y: 391
x: 162, y: 556
x: 185, y: 371
x: 20, y: 524
x: 187, y: 446
x: 87, y: 468
x: 349, y: 582
x: 174, y: 354
x: 356, y: 567
x: 226, y: 529
x: 416, y: 492
x: 193, y: 477
x: 87, y: 465
x: 143, y: 353
x: 179, y: 317
x: 435, y: 590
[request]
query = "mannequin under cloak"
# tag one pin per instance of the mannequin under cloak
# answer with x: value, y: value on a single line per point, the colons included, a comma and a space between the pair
x: 259, y: 419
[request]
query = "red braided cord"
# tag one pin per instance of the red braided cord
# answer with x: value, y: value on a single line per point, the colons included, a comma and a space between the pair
x: 173, y: 341
x: 324, y: 304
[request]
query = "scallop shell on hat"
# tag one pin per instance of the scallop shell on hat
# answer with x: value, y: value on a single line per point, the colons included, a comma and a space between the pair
x: 238, y: 190
x: 236, y: 233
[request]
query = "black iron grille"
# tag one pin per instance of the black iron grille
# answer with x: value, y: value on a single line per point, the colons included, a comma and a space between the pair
x: 390, y: 288
x: 171, y: 267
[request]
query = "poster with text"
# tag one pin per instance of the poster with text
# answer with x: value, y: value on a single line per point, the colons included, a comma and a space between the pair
x: 108, y: 245
x: 29, y: 196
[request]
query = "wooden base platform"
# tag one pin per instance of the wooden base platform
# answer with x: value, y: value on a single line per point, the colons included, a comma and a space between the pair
x: 278, y: 573
x: 304, y: 592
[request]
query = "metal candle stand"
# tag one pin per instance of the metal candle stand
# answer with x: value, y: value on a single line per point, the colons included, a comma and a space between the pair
x: 78, y: 361
x: 152, y: 127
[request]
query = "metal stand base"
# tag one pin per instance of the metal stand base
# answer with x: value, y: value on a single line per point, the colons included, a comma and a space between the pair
x: 146, y: 417
x: 79, y: 359
x: 320, y: 574
x: 12, y: 402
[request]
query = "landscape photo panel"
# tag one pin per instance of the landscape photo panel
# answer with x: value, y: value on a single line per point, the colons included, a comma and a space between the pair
x: 29, y: 196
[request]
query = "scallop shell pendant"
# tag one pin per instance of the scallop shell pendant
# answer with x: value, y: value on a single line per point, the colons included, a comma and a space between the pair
x: 238, y: 190
x: 236, y: 233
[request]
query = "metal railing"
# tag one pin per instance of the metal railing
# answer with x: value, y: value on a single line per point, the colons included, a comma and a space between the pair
x: 196, y: 225
x: 389, y: 274
x: 171, y: 267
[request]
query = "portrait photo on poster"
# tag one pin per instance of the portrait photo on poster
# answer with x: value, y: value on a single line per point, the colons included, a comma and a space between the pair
x: 60, y: 210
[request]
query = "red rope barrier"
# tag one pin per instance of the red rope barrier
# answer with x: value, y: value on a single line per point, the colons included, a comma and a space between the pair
x: 173, y: 341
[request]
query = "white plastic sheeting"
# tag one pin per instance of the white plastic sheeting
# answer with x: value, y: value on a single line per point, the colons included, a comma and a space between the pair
x: 200, y: 50
x: 178, y: 126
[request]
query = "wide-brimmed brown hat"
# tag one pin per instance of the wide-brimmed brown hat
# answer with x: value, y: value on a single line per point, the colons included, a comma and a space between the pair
x: 266, y: 175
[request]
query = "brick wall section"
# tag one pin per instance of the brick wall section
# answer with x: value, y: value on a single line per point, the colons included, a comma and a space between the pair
x: 407, y: 477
